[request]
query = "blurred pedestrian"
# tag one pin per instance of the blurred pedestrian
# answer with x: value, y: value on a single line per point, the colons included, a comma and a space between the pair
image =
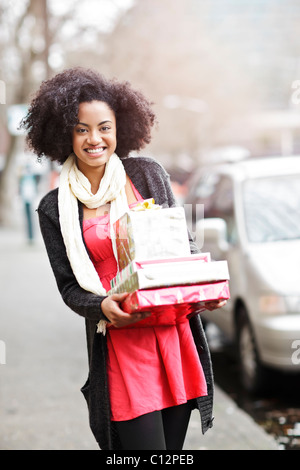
x: 28, y: 192
x: 143, y: 382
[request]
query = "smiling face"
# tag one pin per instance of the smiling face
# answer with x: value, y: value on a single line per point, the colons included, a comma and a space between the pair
x: 94, y: 137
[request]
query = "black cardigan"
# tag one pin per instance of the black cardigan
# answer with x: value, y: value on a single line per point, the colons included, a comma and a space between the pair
x: 151, y: 180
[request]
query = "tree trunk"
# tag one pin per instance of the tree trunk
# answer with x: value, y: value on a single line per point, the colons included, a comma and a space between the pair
x: 9, y: 185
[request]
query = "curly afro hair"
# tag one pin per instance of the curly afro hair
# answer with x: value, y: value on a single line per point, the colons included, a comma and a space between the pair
x: 53, y: 112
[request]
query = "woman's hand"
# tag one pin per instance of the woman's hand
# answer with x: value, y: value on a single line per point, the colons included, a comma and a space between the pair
x: 111, y: 308
x: 214, y: 304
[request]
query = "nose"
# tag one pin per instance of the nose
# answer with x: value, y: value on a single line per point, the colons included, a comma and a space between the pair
x: 94, y: 137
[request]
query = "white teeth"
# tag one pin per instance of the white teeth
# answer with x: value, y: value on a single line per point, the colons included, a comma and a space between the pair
x: 94, y: 150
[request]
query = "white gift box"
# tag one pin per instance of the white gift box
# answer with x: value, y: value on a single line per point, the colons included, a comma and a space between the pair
x: 195, y: 269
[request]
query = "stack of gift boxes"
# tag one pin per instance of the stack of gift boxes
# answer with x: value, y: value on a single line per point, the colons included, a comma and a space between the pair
x: 157, y: 269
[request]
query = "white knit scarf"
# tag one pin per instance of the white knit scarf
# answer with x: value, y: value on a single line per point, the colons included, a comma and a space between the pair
x: 73, y: 185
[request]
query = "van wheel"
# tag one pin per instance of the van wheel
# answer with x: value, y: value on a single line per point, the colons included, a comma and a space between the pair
x: 252, y: 373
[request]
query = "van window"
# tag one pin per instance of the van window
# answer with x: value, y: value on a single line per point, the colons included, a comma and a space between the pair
x: 272, y: 208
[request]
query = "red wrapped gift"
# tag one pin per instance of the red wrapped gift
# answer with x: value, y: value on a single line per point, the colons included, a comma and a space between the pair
x: 172, y: 305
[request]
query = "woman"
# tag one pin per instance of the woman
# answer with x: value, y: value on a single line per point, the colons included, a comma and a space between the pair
x: 143, y: 382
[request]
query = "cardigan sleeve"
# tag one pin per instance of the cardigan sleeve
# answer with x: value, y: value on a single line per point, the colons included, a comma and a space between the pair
x: 75, y: 297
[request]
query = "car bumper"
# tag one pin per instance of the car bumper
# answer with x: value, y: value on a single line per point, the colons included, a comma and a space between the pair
x: 278, y: 341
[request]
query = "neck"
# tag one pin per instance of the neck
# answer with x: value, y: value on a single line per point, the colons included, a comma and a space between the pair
x: 94, y: 175
x: 95, y: 180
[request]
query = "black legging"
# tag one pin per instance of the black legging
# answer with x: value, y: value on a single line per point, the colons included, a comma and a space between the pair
x: 159, y: 430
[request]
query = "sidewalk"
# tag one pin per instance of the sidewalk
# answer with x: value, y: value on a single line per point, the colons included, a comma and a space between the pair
x: 41, y: 407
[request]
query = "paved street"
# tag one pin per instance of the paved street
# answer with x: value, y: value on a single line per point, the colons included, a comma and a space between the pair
x: 41, y: 406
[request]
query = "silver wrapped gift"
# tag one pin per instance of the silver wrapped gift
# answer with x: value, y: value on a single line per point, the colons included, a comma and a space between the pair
x: 151, y: 234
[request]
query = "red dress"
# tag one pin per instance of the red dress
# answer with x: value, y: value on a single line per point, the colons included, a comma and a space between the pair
x: 148, y: 368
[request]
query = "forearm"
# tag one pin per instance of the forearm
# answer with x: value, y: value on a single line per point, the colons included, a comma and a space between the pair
x: 75, y: 297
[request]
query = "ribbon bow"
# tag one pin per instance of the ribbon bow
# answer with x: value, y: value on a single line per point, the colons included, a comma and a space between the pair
x: 145, y: 205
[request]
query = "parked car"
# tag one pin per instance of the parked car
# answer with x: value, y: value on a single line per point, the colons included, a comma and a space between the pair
x: 252, y: 219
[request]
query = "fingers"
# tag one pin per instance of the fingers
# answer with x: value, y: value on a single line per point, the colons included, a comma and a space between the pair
x: 125, y: 319
x: 117, y: 317
x: 214, y: 304
x: 135, y: 317
x: 119, y: 297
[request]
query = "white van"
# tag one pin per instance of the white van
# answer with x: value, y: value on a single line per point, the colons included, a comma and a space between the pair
x: 252, y: 220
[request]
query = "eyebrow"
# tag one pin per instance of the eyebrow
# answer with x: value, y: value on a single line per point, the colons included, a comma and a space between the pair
x: 100, y: 123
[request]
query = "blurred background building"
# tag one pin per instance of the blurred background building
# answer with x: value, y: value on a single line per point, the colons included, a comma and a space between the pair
x: 221, y: 74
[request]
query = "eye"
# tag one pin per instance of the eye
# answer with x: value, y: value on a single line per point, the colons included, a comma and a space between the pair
x: 81, y: 130
x: 105, y: 128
